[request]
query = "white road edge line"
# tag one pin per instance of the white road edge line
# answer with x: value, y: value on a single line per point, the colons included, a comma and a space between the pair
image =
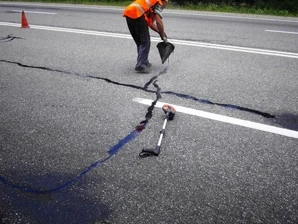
x: 226, y: 119
x: 48, y: 13
x: 280, y: 31
x: 155, y: 39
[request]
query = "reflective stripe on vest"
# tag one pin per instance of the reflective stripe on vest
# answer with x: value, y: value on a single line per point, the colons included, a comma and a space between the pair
x: 148, y: 4
x: 138, y: 6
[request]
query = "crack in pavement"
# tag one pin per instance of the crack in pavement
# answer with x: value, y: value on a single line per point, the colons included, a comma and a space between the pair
x: 9, y: 37
x: 145, y: 88
x: 133, y: 134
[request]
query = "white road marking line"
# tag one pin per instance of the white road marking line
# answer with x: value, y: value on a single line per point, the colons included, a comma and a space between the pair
x: 155, y: 39
x: 226, y: 119
x: 10, y: 24
x: 280, y: 31
x: 235, y: 48
x: 47, y: 13
x: 69, y: 30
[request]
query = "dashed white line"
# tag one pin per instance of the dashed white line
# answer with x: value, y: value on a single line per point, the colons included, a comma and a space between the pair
x: 226, y: 119
x: 36, y: 12
x: 280, y: 31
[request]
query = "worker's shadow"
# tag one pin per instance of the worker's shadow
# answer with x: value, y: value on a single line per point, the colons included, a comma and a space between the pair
x: 71, y: 204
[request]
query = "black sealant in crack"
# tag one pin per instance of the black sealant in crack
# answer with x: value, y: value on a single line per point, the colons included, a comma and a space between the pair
x: 8, y: 38
x: 155, y: 77
x: 145, y: 88
x: 231, y: 106
x: 114, y: 149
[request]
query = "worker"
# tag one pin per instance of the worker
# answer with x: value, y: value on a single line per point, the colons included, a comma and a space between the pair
x: 140, y: 15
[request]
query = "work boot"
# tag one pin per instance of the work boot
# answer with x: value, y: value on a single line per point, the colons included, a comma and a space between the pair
x: 143, y: 69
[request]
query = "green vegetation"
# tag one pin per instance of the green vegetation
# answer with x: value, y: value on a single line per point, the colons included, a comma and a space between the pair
x: 242, y: 8
x: 263, y: 7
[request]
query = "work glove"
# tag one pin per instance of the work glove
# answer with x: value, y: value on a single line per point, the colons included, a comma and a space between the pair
x: 165, y: 39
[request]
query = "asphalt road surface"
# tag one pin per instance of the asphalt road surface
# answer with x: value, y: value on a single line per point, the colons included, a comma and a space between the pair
x: 75, y: 116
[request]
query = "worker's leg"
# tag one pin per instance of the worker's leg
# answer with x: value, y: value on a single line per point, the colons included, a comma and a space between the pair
x: 140, y: 33
x: 133, y: 29
x: 144, y: 47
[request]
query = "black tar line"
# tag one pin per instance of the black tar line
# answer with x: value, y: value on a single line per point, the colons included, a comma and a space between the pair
x: 181, y: 95
x: 114, y: 149
x: 8, y: 38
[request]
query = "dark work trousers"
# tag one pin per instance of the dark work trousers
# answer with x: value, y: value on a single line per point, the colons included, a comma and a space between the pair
x: 140, y: 32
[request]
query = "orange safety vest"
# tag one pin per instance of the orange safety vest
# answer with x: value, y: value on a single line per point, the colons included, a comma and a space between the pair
x: 139, y: 7
x: 149, y: 17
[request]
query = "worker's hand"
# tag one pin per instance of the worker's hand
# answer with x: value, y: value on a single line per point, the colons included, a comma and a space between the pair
x: 165, y: 39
